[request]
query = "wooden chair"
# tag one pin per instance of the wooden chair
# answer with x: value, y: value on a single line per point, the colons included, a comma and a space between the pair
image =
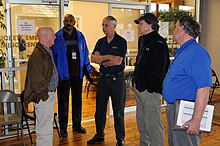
x: 215, y: 85
x: 94, y: 77
x: 11, y: 113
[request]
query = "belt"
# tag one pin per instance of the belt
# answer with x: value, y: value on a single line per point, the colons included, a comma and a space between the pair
x: 112, y: 75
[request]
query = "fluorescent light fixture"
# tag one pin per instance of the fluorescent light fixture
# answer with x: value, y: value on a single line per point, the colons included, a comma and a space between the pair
x: 50, y: 1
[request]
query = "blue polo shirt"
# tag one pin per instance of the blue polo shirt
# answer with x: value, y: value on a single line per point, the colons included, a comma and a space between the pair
x: 117, y: 47
x: 190, y: 71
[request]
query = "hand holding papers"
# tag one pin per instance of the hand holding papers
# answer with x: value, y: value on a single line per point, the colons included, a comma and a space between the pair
x: 184, y: 112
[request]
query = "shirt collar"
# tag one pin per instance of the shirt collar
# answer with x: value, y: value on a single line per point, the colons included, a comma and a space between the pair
x: 48, y: 49
x: 184, y: 46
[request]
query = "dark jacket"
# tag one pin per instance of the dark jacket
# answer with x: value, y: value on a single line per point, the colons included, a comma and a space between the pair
x: 39, y: 73
x: 152, y: 62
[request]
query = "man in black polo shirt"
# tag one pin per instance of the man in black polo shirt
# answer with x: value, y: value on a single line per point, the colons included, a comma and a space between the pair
x: 109, y: 53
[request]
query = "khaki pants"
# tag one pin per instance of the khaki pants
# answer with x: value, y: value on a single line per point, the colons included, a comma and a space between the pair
x: 44, y: 120
x: 148, y: 114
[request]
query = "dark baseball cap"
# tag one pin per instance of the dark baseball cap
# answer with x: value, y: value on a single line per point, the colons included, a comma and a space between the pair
x: 147, y: 16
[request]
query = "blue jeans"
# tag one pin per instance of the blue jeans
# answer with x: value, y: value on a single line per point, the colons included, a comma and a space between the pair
x: 116, y: 88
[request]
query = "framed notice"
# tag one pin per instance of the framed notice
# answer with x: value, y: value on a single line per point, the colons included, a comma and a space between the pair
x: 184, y: 111
x: 26, y: 26
x: 128, y: 34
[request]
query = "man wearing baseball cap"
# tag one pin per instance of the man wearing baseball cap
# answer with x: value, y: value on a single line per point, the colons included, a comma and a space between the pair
x: 152, y: 63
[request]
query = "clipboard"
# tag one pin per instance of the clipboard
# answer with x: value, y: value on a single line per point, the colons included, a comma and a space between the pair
x: 183, y: 111
x: 176, y: 111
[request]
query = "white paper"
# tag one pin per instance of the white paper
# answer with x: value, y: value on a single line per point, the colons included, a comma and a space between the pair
x: 128, y: 34
x: 186, y: 111
x: 26, y: 26
x: 164, y: 29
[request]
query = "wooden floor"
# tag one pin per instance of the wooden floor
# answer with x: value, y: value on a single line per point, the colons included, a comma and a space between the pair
x: 132, y: 134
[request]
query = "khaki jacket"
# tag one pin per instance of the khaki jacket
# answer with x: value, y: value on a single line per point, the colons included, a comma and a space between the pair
x: 39, y: 73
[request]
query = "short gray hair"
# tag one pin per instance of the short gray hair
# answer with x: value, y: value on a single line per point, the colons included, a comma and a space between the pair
x: 112, y: 19
x: 191, y: 26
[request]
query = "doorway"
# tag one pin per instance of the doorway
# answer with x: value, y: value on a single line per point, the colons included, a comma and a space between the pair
x: 90, y: 25
x: 22, y: 24
x: 126, y: 14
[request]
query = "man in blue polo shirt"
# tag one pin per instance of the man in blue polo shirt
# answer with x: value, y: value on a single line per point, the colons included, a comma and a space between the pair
x: 109, y: 53
x: 189, y: 78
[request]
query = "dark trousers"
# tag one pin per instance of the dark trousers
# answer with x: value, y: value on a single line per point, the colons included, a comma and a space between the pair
x: 63, y: 90
x: 116, y: 89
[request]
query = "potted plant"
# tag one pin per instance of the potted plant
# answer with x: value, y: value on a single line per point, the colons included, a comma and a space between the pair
x: 172, y: 17
x: 2, y: 26
x: 2, y: 59
x: 2, y: 54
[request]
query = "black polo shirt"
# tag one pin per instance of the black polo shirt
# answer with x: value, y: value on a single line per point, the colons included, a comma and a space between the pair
x: 117, y: 47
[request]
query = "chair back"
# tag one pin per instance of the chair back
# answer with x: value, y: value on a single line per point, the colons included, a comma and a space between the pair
x: 22, y: 97
x: 22, y: 104
x: 28, y: 115
x: 94, y: 74
x: 215, y: 80
x: 215, y: 84
x: 94, y: 77
x: 7, y: 96
x: 8, y: 99
x: 10, y: 116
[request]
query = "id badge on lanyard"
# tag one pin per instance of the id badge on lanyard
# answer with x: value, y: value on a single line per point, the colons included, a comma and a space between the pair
x: 74, y: 55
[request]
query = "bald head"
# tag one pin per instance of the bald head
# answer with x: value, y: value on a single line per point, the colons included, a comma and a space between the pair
x: 46, y: 36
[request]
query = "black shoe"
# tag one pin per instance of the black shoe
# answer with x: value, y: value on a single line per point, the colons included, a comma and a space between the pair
x: 95, y: 139
x: 120, y: 143
x: 63, y: 133
x: 79, y: 129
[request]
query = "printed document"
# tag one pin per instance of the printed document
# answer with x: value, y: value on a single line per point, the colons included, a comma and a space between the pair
x: 186, y: 111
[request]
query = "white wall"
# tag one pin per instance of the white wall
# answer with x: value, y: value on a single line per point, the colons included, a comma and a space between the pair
x: 189, y: 3
x: 210, y: 36
x: 90, y: 19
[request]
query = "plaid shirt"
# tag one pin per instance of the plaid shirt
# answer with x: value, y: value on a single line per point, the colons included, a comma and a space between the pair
x: 54, y: 79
